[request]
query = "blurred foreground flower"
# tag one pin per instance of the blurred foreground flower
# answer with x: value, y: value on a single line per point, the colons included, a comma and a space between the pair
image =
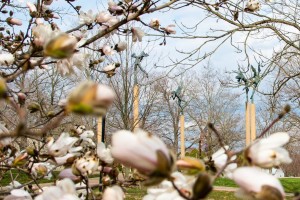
x: 18, y: 194
x: 143, y: 151
x: 268, y: 152
x: 90, y: 98
x: 104, y: 153
x: 190, y: 165
x: 61, y: 46
x: 65, y: 190
x: 113, y: 193
x: 255, y: 184
x: 220, y: 158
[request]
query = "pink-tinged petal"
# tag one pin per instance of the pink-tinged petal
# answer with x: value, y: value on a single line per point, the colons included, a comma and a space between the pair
x: 251, y: 179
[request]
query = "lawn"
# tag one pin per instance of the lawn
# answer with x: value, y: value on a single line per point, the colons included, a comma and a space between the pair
x: 291, y: 185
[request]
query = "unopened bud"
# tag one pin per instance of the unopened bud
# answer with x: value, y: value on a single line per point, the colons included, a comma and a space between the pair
x: 202, y: 186
x: 62, y: 46
x: 20, y: 160
x: 14, y: 21
x: 21, y: 98
x: 33, y: 107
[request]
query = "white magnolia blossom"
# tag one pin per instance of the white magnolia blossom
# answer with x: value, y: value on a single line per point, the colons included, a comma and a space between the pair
x: 253, y: 180
x: 166, y: 191
x: 42, y: 34
x: 110, y: 67
x: 112, y: 21
x: 39, y: 169
x: 104, y: 153
x: 220, y: 159
x: 67, y: 173
x: 79, y: 129
x: 18, y: 194
x: 169, y: 29
x: 87, y: 138
x: 154, y: 23
x: 67, y: 66
x: 62, y: 145
x: 268, y: 152
x: 103, y: 17
x: 121, y: 46
x: 107, y: 50
x: 114, y: 7
x: 140, y: 151
x: 137, y: 34
x: 85, y: 165
x: 113, y: 193
x: 6, y: 58
x: 31, y: 6
x: 65, y: 190
x: 64, y: 159
x: 86, y: 17
x: 253, y: 5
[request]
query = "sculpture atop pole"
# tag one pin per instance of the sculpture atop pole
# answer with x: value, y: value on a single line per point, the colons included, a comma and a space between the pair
x: 177, y: 94
x: 250, y: 83
x: 137, y: 64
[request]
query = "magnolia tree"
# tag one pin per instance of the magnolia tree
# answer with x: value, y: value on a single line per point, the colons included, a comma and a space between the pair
x: 41, y: 43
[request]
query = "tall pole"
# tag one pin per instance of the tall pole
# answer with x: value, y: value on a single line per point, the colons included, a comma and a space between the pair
x: 182, y: 138
x: 248, y: 127
x: 250, y: 123
x: 253, y: 122
x: 137, y: 64
x: 135, y: 106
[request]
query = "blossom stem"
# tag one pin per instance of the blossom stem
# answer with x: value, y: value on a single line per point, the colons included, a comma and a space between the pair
x: 286, y: 110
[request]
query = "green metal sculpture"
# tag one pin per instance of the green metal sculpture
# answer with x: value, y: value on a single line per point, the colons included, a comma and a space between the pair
x: 137, y: 64
x: 177, y: 94
x: 251, y: 82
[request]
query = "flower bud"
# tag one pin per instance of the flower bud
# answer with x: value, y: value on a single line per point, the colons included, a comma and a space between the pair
x: 202, y: 186
x: 14, y: 21
x: 21, y: 98
x: 61, y: 46
x: 90, y: 98
x: 20, y: 160
x: 33, y: 107
x: 190, y: 165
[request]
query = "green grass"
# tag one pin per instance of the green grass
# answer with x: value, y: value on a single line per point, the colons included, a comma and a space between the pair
x: 290, y: 185
x: 21, y: 177
x: 225, y: 182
